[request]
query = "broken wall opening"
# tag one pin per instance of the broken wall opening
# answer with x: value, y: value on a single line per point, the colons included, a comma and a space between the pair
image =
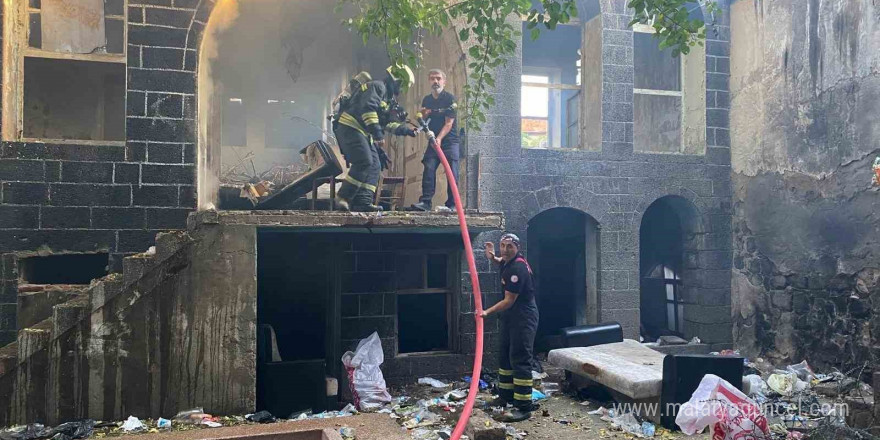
x: 68, y: 99
x: 563, y: 251
x: 62, y: 269
x: 667, y: 250
x: 268, y: 73
x: 320, y: 292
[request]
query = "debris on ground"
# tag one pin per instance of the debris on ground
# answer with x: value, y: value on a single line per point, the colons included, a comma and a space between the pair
x: 365, y: 375
x: 133, y: 424
x: 719, y: 404
x: 433, y: 382
x: 261, y: 417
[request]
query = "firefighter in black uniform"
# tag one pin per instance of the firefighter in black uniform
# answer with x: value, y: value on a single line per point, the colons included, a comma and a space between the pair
x: 519, y: 323
x: 360, y: 126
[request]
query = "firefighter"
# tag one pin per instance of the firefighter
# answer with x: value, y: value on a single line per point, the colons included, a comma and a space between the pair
x: 360, y: 125
x: 519, y: 323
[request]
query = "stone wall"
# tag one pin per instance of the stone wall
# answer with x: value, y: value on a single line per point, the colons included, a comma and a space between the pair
x: 615, y: 185
x: 804, y: 130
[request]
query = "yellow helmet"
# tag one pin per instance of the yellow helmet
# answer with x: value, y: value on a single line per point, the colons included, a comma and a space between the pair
x: 402, y: 73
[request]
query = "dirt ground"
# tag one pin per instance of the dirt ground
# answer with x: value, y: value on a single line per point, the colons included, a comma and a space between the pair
x: 561, y: 416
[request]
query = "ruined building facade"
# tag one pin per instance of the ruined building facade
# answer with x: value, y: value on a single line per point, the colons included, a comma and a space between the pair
x: 611, y: 160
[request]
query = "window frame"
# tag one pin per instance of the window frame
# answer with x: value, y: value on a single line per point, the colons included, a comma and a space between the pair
x: 452, y: 292
x: 16, y: 48
x: 686, y: 142
x: 578, y: 86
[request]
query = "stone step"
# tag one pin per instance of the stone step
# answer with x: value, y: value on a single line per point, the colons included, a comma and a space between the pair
x: 104, y: 290
x: 167, y: 243
x: 34, y: 338
x: 69, y: 314
x: 35, y: 301
x: 134, y: 267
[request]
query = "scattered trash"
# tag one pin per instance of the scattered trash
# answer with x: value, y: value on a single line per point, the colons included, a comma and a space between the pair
x: 132, y: 424
x: 193, y: 416
x: 696, y: 340
x: 802, y: 370
x: 601, y: 411
x: 434, y: 383
x: 483, y: 384
x: 455, y: 395
x: 628, y: 423
x: 550, y: 388
x: 782, y: 383
x: 537, y: 395
x: 730, y: 412
x: 754, y: 386
x: 346, y: 432
x: 648, y: 429
x: 261, y: 417
x: 367, y: 383
x: 163, y: 423
x: 211, y: 424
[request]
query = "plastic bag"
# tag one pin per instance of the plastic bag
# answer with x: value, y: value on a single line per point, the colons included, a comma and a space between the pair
x: 364, y: 375
x: 753, y: 385
x: 261, y: 417
x: 730, y: 412
x: 133, y: 424
x: 782, y: 383
x: 434, y: 383
x: 802, y: 370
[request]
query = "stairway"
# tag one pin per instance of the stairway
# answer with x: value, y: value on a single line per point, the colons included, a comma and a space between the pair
x: 73, y: 343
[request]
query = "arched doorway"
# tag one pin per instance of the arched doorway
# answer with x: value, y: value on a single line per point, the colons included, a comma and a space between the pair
x: 667, y: 251
x: 563, y: 245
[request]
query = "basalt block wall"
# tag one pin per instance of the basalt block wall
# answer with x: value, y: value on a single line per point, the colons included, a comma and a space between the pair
x: 64, y: 198
x: 615, y: 185
x: 805, y: 95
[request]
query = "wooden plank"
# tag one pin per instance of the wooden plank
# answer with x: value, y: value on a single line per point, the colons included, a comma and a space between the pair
x: 76, y: 142
x: 14, y: 39
x: 94, y: 57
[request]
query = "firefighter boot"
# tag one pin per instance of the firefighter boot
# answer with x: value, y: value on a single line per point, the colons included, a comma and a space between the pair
x: 363, y: 201
x: 345, y: 196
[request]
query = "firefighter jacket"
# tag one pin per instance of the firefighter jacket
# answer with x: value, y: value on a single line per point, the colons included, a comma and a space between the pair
x: 367, y: 110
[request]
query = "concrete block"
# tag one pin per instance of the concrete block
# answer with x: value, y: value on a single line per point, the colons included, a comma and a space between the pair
x: 22, y: 170
x: 154, y: 195
x: 76, y: 194
x: 156, y: 36
x: 19, y: 217
x: 22, y: 193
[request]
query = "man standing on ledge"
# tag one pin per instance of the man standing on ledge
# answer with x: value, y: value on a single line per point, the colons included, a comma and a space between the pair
x: 519, y: 323
x: 439, y: 108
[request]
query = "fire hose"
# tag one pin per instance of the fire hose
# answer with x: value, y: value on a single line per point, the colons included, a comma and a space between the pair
x: 472, y: 267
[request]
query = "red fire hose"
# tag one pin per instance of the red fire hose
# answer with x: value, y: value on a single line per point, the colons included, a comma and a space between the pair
x: 478, y: 302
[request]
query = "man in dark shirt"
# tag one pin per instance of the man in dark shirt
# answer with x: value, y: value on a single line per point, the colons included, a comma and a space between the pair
x: 439, y: 108
x: 519, y: 323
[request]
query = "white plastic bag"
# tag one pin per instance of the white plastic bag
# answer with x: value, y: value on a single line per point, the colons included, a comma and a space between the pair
x: 730, y: 412
x: 364, y: 375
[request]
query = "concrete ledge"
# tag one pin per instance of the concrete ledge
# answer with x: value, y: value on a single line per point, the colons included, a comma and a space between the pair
x: 477, y: 221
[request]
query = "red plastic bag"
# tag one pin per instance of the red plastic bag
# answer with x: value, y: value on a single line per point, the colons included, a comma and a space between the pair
x: 731, y: 413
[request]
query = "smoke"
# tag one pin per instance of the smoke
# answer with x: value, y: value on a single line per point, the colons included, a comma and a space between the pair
x: 222, y: 18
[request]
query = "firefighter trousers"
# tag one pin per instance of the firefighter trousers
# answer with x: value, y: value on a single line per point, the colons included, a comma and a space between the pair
x: 363, y: 156
x: 518, y: 328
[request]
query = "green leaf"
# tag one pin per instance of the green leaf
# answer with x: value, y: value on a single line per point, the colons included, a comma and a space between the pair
x: 463, y: 34
x: 474, y: 51
x: 535, y: 34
